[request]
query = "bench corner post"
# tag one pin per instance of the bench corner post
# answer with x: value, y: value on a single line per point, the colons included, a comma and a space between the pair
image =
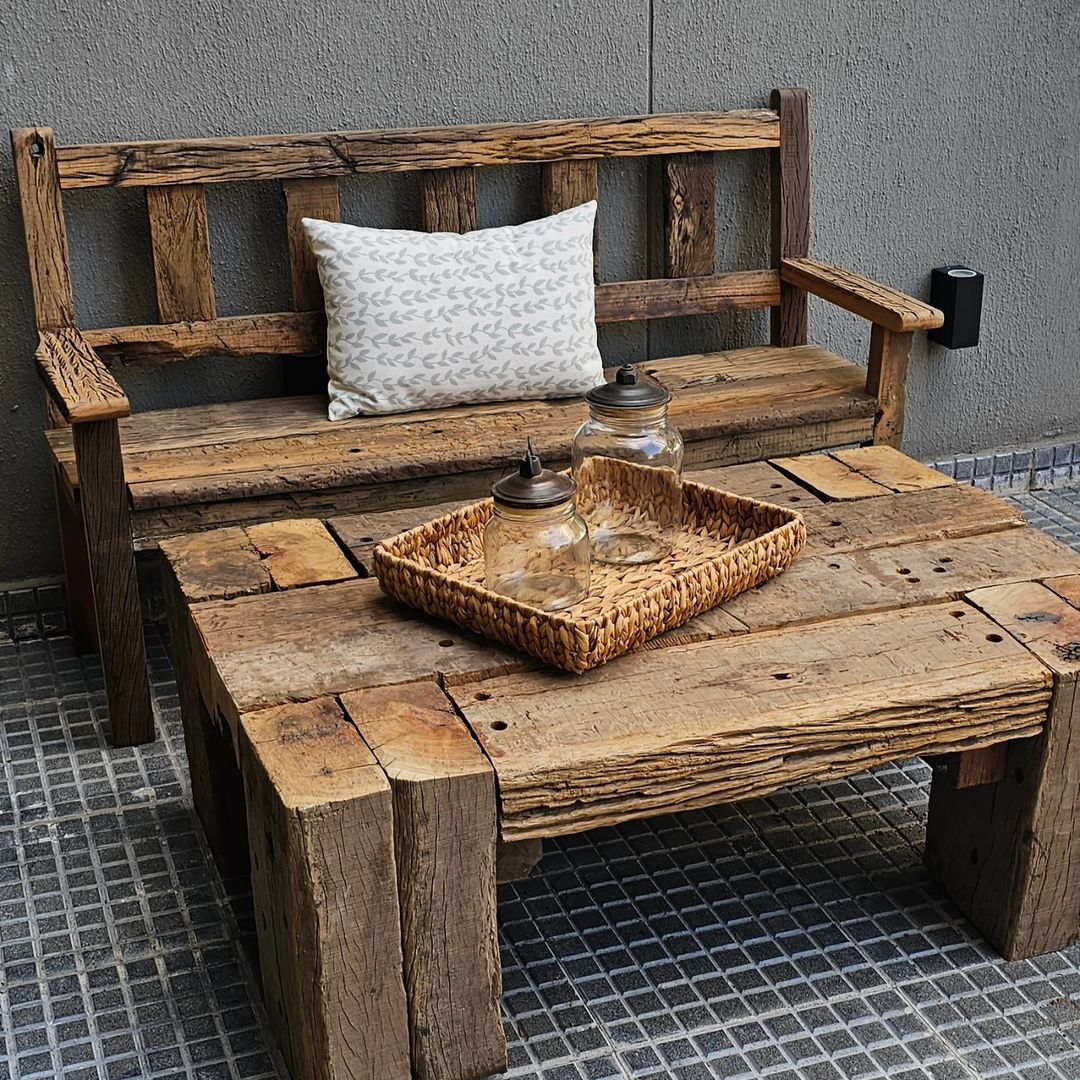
x: 111, y: 556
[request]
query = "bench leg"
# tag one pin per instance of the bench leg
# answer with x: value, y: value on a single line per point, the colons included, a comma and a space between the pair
x: 1008, y: 853
x: 80, y: 592
x: 111, y: 558
x: 445, y: 826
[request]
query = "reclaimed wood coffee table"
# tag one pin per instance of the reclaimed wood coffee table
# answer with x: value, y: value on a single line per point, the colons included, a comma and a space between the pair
x: 375, y: 766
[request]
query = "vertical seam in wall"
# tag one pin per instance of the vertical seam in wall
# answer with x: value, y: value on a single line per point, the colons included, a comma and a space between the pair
x: 650, y: 171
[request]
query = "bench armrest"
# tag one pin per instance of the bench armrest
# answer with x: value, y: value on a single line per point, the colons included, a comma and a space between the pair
x: 77, y: 378
x: 886, y: 307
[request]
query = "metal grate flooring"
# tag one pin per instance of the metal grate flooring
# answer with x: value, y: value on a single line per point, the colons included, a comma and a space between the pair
x: 796, y: 937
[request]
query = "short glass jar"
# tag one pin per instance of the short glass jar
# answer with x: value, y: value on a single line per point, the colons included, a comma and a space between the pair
x: 627, y: 462
x: 536, y: 546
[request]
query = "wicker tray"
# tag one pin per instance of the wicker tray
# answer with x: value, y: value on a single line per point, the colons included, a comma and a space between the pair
x: 727, y: 544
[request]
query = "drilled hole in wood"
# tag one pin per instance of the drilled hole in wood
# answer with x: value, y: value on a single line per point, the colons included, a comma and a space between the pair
x: 945, y: 558
x: 794, y: 498
x: 480, y: 695
x: 354, y: 449
x: 939, y: 569
x: 903, y: 569
x: 446, y: 643
x: 367, y: 539
x: 498, y: 725
x: 957, y: 614
x: 834, y: 566
x: 836, y: 524
x: 776, y: 487
x: 994, y: 637
x: 914, y: 580
x: 782, y: 675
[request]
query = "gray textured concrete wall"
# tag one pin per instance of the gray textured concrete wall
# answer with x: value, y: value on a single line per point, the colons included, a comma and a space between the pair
x: 940, y: 132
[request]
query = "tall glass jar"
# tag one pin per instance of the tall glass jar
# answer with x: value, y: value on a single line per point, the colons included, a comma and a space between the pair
x: 627, y: 462
x: 536, y: 546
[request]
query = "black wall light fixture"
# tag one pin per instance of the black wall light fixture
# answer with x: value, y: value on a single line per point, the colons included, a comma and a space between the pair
x: 958, y: 291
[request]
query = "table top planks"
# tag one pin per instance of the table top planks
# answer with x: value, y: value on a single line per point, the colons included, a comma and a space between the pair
x: 867, y: 650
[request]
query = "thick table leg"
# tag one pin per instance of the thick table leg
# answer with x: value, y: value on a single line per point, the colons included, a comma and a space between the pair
x: 112, y: 572
x: 217, y: 789
x: 444, y: 832
x: 320, y: 820
x: 1009, y: 853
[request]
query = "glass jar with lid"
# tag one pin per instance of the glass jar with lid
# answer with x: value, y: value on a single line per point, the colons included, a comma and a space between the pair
x: 628, y: 468
x: 536, y: 546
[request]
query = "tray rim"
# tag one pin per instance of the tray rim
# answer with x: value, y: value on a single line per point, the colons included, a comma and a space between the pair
x: 584, y: 623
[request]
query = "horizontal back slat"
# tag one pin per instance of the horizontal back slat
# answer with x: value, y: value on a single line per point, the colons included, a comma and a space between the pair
x: 301, y: 333
x: 283, y: 157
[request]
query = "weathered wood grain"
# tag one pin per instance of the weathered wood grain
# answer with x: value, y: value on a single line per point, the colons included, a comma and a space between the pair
x: 263, y: 654
x: 1009, y: 854
x: 217, y: 565
x: 875, y: 579
x: 986, y: 766
x: 444, y: 843
x: 348, y: 455
x: 180, y: 240
x: 878, y: 303
x: 82, y: 620
x: 701, y: 370
x: 339, y: 153
x: 887, y: 466
x: 217, y: 788
x: 756, y: 480
x: 448, y: 200
x: 689, y: 215
x: 830, y: 478
x: 33, y: 151
x: 317, y: 198
x: 107, y: 522
x: 886, y: 379
x: 747, y: 715
x: 359, y: 533
x: 890, y: 520
x: 81, y: 386
x: 790, y: 175
x: 285, y: 333
x: 299, y: 552
x: 324, y: 881
x: 629, y: 301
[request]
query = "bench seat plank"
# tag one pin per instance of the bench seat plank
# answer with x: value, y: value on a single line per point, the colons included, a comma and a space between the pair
x: 282, y: 446
x: 748, y: 715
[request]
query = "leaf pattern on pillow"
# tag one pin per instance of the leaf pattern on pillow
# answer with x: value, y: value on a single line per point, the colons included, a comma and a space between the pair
x: 424, y: 320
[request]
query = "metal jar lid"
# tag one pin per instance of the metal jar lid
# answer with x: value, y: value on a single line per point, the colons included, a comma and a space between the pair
x: 533, y: 487
x: 626, y: 392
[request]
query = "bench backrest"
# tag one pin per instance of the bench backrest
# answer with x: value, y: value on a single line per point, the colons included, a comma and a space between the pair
x: 308, y: 168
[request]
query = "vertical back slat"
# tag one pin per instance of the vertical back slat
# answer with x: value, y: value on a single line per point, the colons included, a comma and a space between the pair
x: 564, y: 184
x: 180, y: 238
x: 689, y: 215
x: 448, y: 200
x: 316, y: 198
x: 791, y: 209
x: 34, y: 154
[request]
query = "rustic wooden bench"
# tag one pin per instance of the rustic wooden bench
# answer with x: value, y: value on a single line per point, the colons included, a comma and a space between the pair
x: 124, y: 481
x: 385, y: 764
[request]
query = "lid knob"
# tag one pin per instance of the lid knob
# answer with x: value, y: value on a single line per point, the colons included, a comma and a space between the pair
x: 532, y: 487
x: 626, y: 391
x: 530, y: 463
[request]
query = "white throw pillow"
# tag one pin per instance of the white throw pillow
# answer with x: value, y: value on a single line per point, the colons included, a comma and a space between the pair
x: 422, y: 320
